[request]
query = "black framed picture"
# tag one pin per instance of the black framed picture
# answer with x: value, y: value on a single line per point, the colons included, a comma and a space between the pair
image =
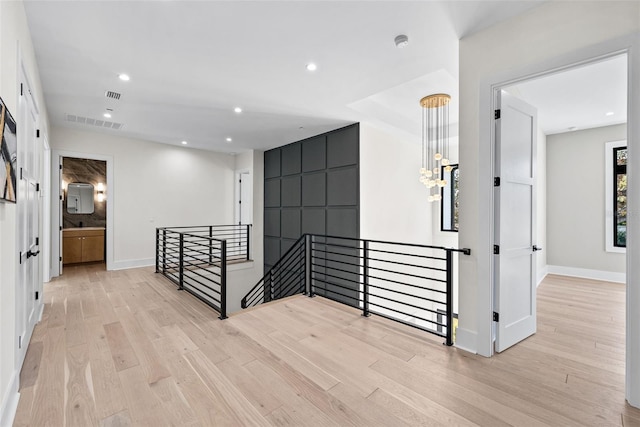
x: 8, y: 155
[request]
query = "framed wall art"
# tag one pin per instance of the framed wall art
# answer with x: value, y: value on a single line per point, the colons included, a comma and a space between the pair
x: 8, y: 155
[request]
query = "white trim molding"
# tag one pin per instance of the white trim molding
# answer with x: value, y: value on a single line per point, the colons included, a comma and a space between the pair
x: 466, y: 340
x: 10, y: 402
x: 132, y: 263
x: 585, y: 273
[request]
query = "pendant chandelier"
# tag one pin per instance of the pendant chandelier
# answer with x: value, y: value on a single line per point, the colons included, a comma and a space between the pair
x: 435, y: 143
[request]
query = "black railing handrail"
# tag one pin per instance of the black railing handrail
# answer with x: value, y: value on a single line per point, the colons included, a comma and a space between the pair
x: 465, y: 251
x: 205, y: 226
x: 350, y: 279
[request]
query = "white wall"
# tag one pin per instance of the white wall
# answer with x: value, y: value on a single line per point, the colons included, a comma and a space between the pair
x: 15, y: 42
x: 552, y: 35
x: 155, y: 185
x: 541, y: 211
x: 576, y: 200
x: 393, y: 202
x: 244, y: 276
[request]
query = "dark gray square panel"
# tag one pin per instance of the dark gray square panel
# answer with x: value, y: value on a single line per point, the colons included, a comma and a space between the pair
x: 342, y: 187
x: 272, y: 163
x: 291, y: 159
x: 286, y: 244
x: 314, y: 189
x: 271, y: 250
x: 342, y: 222
x: 342, y: 147
x: 314, y: 154
x: 272, y: 193
x: 272, y: 222
x: 313, y: 220
x: 291, y: 223
x: 291, y: 191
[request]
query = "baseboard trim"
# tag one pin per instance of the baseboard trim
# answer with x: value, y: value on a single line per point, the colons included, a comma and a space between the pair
x: 132, y: 263
x: 542, y: 274
x: 466, y: 340
x: 10, y: 402
x: 585, y: 273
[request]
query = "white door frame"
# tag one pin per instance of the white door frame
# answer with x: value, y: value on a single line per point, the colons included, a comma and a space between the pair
x: 56, y: 232
x: 488, y: 87
x: 45, y: 195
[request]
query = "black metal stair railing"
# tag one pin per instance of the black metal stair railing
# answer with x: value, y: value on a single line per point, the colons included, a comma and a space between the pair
x: 408, y: 283
x: 195, y: 259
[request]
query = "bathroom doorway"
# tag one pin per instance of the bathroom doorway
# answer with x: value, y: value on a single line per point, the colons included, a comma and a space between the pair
x: 82, y: 217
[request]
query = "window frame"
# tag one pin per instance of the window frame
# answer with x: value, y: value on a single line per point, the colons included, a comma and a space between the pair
x: 445, y: 192
x: 611, y: 171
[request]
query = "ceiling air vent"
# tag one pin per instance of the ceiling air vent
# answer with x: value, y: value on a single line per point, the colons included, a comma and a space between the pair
x: 112, y: 95
x: 93, y: 122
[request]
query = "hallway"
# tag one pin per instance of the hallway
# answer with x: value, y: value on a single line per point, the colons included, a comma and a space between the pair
x: 119, y: 348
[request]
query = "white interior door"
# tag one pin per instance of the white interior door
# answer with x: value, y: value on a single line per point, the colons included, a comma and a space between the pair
x: 29, y: 277
x: 515, y: 222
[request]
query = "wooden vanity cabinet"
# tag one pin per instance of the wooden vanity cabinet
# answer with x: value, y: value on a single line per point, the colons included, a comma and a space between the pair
x: 82, y: 245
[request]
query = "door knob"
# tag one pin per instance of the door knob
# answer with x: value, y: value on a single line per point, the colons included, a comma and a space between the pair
x: 535, y: 248
x: 30, y: 254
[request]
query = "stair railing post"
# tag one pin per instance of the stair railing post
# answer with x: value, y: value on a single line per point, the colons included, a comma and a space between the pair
x: 181, y: 262
x: 248, y: 240
x: 223, y: 281
x: 210, y: 244
x: 157, y: 250
x: 449, y: 297
x: 365, y: 287
x: 164, y: 251
x: 310, y: 287
x: 307, y: 264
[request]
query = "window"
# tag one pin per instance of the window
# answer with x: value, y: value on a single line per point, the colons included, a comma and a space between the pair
x: 620, y: 197
x: 616, y: 196
x: 450, y: 201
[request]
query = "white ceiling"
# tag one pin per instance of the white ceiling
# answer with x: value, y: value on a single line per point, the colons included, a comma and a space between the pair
x: 192, y: 62
x: 579, y: 98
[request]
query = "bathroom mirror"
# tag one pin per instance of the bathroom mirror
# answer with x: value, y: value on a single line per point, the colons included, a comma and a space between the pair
x: 80, y: 198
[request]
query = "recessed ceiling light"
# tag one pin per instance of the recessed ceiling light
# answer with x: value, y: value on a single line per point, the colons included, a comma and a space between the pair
x: 610, y: 113
x: 238, y: 110
x: 124, y: 77
x: 107, y: 115
x: 311, y: 66
x: 229, y: 139
x: 184, y: 142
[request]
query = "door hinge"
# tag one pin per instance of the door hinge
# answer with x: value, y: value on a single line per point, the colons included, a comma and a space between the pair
x: 496, y: 317
x: 37, y: 133
x: 20, y: 173
x: 60, y: 228
x: 37, y: 241
x: 21, y: 89
x: 61, y: 197
x: 37, y: 295
x: 20, y: 341
x: 60, y: 259
x: 496, y: 114
x: 19, y: 257
x: 496, y: 250
x: 496, y: 181
x: 37, y: 186
x: 60, y: 167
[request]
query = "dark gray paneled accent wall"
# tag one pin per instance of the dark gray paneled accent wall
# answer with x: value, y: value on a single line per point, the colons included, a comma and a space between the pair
x: 311, y: 186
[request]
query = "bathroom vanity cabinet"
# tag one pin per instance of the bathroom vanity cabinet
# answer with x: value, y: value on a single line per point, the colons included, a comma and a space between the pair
x: 82, y: 245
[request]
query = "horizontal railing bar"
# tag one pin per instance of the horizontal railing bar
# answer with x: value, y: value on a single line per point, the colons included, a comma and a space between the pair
x: 240, y: 226
x: 406, y: 303
x: 407, y: 294
x: 203, y: 276
x: 413, y: 325
x: 204, y: 300
x: 381, y: 269
x: 334, y: 292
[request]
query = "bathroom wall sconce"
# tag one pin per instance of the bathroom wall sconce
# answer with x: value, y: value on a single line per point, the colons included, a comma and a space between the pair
x: 100, y: 191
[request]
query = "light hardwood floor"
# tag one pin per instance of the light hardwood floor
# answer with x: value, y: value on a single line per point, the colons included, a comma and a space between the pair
x: 126, y: 348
